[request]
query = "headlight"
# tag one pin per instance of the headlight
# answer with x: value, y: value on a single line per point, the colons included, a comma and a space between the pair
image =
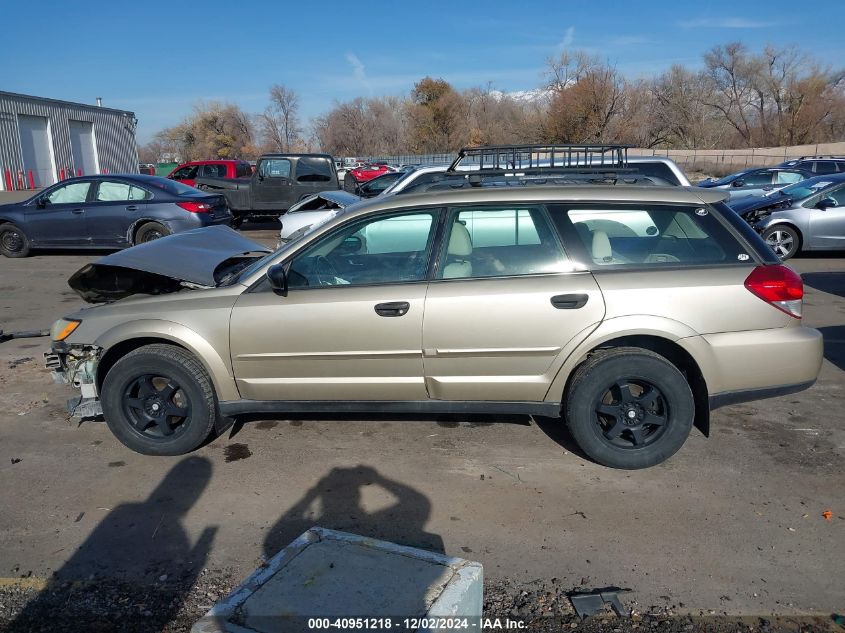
x: 63, y: 328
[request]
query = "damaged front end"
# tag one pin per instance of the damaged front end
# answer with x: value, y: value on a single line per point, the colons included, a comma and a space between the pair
x: 76, y: 365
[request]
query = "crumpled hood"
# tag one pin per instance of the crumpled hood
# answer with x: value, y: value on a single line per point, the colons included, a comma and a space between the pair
x: 163, y: 265
x: 748, y: 204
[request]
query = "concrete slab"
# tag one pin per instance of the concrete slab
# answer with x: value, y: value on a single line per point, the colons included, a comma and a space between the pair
x: 336, y: 575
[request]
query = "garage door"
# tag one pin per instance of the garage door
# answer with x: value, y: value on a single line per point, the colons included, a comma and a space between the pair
x: 82, y: 148
x: 35, y: 148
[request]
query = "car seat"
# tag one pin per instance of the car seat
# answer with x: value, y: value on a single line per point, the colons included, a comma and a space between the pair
x: 460, y: 248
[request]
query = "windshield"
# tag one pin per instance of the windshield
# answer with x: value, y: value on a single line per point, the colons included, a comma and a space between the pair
x: 806, y: 188
x: 728, y: 179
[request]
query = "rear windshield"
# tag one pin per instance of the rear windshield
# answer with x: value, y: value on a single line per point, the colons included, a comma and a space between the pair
x: 617, y: 236
x: 171, y: 186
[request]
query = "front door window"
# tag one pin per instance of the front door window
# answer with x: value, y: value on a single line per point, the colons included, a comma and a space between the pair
x: 382, y: 250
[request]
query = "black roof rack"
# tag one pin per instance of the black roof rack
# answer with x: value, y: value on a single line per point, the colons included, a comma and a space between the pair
x: 540, y: 159
x: 820, y: 156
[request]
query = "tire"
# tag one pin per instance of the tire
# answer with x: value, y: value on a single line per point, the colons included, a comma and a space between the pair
x: 148, y: 383
x: 13, y: 241
x: 237, y: 221
x: 784, y: 240
x: 150, y: 231
x: 632, y: 430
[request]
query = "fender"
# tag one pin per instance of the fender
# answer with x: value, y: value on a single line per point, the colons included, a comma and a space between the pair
x: 130, y: 233
x: 218, y: 367
x: 609, y: 329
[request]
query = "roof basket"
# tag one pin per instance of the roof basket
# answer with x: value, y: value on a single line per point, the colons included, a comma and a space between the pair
x: 540, y: 159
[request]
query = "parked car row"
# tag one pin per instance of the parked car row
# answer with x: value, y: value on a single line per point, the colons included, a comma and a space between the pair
x: 796, y: 206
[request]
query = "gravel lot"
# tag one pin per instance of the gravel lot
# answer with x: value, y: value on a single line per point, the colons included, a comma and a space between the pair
x: 731, y: 526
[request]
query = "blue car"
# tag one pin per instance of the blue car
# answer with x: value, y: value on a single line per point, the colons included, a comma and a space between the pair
x: 113, y: 211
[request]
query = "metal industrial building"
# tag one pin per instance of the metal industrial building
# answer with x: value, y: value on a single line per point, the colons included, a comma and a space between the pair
x: 45, y: 140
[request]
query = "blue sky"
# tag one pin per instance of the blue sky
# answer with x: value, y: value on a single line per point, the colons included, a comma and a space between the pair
x: 159, y: 58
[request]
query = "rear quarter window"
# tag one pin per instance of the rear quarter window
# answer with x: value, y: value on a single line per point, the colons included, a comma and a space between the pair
x: 314, y: 170
x: 651, y: 236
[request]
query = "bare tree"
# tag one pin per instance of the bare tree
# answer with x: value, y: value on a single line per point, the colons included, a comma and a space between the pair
x: 280, y: 120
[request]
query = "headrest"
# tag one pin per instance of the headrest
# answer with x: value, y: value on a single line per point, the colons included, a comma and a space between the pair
x: 601, y: 247
x: 460, y: 243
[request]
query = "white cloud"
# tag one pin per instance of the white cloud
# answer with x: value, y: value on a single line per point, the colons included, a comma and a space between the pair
x: 358, y: 71
x: 568, y: 38
x: 725, y: 23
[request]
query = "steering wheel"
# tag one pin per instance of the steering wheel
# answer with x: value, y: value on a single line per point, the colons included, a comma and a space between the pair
x: 325, y: 269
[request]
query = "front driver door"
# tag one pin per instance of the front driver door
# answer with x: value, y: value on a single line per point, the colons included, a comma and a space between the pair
x: 272, y: 185
x: 57, y: 218
x: 827, y: 226
x: 350, y: 326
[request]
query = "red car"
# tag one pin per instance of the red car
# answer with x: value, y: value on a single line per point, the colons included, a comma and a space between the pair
x: 365, y: 173
x: 186, y: 173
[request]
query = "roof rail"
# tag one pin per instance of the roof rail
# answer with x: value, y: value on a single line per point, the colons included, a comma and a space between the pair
x: 539, y: 159
x: 820, y: 156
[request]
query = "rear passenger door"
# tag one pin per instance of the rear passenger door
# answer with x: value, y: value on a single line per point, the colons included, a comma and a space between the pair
x: 115, y: 206
x: 505, y: 302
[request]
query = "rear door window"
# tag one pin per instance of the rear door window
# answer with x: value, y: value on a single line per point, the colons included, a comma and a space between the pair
x: 110, y: 191
x: 500, y: 242
x: 214, y: 171
x: 824, y: 167
x: 621, y: 236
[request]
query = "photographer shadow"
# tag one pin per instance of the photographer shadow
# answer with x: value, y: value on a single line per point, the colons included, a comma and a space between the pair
x: 337, y: 502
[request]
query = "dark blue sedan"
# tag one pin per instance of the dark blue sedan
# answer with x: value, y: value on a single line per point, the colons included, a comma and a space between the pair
x: 113, y: 211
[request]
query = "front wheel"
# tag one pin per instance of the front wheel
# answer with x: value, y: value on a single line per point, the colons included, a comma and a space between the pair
x: 629, y: 408
x: 159, y: 400
x: 13, y: 241
x: 783, y: 240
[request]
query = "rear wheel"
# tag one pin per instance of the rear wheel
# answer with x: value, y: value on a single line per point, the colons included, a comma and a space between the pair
x: 629, y: 408
x: 13, y: 241
x: 159, y: 400
x: 784, y: 240
x: 150, y: 231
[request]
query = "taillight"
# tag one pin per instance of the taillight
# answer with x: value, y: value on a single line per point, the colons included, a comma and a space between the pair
x: 195, y: 207
x: 779, y: 286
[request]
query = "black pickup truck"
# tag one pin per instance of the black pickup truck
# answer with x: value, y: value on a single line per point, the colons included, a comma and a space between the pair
x: 279, y: 181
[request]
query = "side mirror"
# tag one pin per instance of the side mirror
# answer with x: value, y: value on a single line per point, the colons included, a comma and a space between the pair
x: 42, y: 202
x: 826, y: 203
x: 278, y: 279
x: 738, y: 183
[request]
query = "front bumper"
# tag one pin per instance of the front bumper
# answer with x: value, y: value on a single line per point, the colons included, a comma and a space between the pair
x: 76, y: 365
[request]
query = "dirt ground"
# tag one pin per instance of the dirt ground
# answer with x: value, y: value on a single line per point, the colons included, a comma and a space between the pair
x: 732, y: 525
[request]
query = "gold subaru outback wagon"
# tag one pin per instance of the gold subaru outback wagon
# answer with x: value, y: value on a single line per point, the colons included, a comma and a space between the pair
x: 627, y: 311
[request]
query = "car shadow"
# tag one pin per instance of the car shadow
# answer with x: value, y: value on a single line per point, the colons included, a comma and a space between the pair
x: 834, y: 344
x: 140, y: 550
x: 829, y: 282
x: 264, y: 224
x: 443, y: 420
x: 337, y: 502
x: 555, y: 429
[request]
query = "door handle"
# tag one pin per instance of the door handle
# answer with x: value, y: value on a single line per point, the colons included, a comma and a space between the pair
x: 570, y: 302
x: 78, y: 211
x: 392, y: 308
x: 131, y: 207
